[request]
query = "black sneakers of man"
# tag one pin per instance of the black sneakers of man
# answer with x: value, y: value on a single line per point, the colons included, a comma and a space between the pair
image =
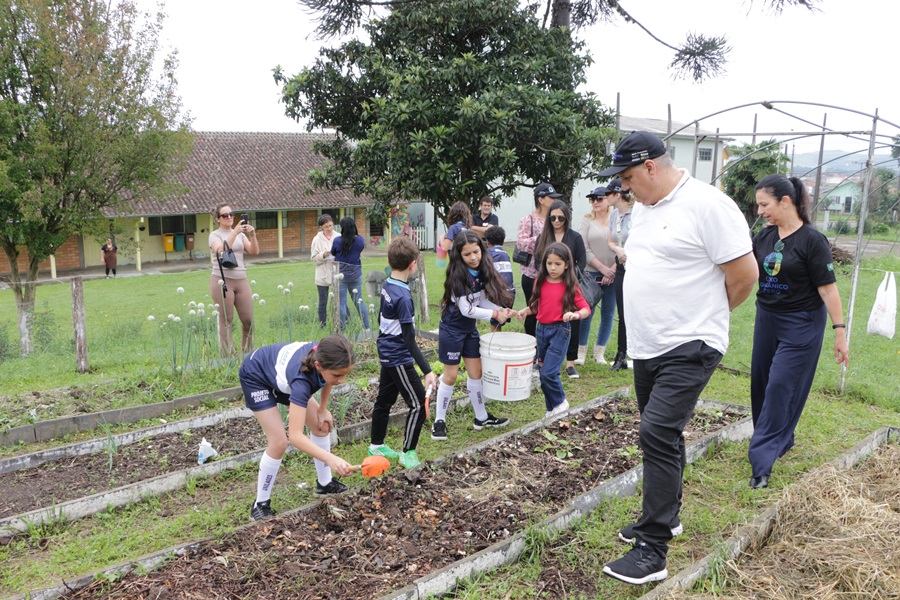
x: 642, y: 564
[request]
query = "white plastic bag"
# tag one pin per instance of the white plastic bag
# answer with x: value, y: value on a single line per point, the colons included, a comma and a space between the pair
x: 883, y: 318
x: 206, y: 452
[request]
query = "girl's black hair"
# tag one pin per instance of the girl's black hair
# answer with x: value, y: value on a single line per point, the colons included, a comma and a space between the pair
x: 548, y: 234
x: 561, y: 250
x: 459, y: 212
x: 326, y: 218
x: 332, y: 352
x: 779, y: 186
x: 348, y: 235
x: 457, y: 281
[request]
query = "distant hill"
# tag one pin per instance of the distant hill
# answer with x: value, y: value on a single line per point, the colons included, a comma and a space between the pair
x: 835, y: 161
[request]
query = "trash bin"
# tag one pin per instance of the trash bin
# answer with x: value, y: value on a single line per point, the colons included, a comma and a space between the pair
x: 179, y: 242
x: 189, y: 241
x: 168, y: 242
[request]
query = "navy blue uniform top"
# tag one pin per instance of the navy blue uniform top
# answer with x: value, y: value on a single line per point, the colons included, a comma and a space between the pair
x: 397, y: 308
x: 789, y: 278
x: 350, y: 263
x: 454, y: 229
x: 503, y: 265
x: 277, y: 367
x: 453, y: 318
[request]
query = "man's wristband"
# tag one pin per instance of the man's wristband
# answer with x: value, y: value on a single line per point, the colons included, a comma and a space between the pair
x: 839, y: 325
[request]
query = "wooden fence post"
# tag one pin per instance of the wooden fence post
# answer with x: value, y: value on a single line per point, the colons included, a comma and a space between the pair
x: 336, y: 300
x: 423, y: 292
x: 81, y: 355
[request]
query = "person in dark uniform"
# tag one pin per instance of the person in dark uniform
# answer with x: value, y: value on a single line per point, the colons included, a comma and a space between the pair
x: 796, y: 290
x: 397, y: 351
x: 290, y: 374
x: 473, y: 290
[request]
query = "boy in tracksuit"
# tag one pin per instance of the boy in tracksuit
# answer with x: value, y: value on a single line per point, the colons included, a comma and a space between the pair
x: 397, y: 351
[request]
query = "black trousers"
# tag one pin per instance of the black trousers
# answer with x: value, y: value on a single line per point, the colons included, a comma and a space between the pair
x: 402, y: 380
x: 622, y: 337
x: 528, y: 289
x: 667, y: 389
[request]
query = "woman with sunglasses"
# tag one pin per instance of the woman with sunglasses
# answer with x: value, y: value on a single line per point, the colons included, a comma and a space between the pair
x: 797, y: 292
x: 241, y: 238
x: 558, y: 229
x: 601, y: 265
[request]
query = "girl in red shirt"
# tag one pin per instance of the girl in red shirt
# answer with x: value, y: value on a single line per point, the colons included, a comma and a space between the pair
x: 556, y: 301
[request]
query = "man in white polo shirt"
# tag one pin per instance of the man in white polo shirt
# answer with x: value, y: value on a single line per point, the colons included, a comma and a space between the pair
x: 690, y: 263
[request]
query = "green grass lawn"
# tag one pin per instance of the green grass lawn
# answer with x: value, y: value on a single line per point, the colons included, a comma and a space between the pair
x: 124, y: 345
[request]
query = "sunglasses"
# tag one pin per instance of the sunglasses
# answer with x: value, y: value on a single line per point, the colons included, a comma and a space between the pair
x: 557, y: 218
x: 227, y: 215
x: 598, y: 198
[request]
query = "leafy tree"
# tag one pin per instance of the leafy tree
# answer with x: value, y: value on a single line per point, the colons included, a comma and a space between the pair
x: 448, y: 102
x: 84, y: 125
x: 883, y: 196
x: 699, y: 57
x: 747, y: 165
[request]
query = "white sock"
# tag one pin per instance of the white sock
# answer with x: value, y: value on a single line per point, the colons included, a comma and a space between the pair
x: 444, y: 393
x: 268, y: 469
x: 475, y: 397
x: 374, y: 447
x: 323, y: 471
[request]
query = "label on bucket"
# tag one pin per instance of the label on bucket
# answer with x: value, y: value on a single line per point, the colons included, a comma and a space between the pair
x: 514, y: 379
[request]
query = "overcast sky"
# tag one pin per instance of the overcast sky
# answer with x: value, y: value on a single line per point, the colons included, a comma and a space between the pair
x: 840, y: 56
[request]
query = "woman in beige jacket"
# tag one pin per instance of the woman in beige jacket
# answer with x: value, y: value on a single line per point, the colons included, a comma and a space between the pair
x: 320, y: 253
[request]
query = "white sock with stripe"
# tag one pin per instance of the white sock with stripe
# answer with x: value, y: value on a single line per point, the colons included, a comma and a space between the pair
x: 474, y: 388
x: 323, y: 471
x: 268, y: 469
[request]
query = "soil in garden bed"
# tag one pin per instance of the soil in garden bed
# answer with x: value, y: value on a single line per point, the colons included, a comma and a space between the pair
x: 69, y: 478
x: 406, y: 524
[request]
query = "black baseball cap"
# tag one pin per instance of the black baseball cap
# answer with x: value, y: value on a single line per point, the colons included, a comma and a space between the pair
x: 599, y: 192
x: 614, y: 186
x: 634, y: 150
x: 545, y: 189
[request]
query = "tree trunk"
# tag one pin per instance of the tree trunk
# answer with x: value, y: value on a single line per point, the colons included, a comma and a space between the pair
x: 24, y: 292
x: 81, y: 354
x: 561, y: 13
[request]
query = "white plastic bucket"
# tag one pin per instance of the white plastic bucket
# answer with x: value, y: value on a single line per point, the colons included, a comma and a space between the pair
x: 506, y: 360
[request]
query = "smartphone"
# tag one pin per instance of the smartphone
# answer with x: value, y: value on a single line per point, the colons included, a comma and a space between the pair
x: 245, y: 218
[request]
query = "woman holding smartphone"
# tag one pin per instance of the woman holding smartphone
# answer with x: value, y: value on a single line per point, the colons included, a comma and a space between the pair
x: 229, y: 287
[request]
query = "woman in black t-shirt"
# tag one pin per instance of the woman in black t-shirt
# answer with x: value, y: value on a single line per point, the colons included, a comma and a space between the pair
x: 796, y: 291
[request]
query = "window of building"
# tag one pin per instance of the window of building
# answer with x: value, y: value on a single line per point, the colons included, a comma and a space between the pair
x: 672, y: 152
x: 265, y: 219
x: 848, y: 204
x: 704, y: 154
x: 172, y: 224
x: 376, y: 230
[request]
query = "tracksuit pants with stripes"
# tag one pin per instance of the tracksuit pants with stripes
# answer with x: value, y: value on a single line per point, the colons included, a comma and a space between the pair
x: 405, y: 381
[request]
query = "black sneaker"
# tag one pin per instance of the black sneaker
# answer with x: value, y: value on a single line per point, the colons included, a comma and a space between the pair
x: 491, y: 421
x: 334, y: 487
x: 572, y: 373
x: 627, y: 533
x: 640, y: 565
x: 261, y: 510
x: 439, y: 431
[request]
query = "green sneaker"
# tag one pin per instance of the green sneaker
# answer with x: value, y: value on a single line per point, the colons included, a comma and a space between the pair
x: 384, y: 451
x: 410, y: 460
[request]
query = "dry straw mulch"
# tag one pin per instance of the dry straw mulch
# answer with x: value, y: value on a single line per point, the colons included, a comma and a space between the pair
x: 836, y: 536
